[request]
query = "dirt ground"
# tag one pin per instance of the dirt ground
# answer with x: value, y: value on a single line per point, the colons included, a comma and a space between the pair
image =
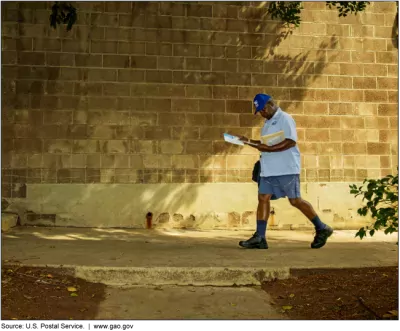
x: 47, y: 294
x: 368, y: 293
x: 342, y: 294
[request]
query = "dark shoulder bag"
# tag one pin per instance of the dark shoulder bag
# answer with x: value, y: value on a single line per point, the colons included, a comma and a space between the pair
x: 256, y: 171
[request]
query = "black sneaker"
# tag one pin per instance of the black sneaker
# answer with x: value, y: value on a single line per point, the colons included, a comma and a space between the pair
x: 321, y: 237
x: 254, y: 242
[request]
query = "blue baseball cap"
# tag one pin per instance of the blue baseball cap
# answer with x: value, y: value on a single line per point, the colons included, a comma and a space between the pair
x: 260, y: 101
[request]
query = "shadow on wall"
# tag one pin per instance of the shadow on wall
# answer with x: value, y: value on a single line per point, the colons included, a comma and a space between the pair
x: 298, y: 71
x: 118, y: 205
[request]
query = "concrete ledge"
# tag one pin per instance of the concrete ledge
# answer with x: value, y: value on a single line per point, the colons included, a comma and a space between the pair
x: 156, y: 276
x: 8, y: 221
x: 180, y: 276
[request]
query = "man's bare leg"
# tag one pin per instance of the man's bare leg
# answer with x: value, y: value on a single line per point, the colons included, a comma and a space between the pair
x: 304, y: 206
x: 323, y: 230
x: 264, y: 203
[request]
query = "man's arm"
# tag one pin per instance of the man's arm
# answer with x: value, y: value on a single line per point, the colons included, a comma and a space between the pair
x: 254, y: 141
x: 283, y: 146
x: 289, y: 129
x: 251, y: 141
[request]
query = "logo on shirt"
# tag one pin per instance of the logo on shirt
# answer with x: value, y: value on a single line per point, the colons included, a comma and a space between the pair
x: 256, y: 103
x: 273, y: 123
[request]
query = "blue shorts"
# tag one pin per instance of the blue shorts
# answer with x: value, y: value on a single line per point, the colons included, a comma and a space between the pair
x: 280, y: 186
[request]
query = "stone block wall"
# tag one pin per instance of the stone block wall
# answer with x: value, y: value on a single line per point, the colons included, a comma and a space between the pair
x: 141, y: 92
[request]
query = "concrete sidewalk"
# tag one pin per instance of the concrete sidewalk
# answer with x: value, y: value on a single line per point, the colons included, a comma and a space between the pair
x: 184, y: 257
x: 188, y: 303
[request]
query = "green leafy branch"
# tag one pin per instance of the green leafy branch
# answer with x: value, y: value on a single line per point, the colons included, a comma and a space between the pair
x: 63, y: 13
x: 289, y: 11
x: 381, y: 197
x: 348, y: 7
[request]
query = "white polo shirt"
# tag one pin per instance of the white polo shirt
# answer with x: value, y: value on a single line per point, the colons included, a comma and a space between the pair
x: 286, y: 162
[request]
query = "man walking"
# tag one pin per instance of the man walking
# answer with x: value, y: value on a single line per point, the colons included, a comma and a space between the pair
x: 280, y: 173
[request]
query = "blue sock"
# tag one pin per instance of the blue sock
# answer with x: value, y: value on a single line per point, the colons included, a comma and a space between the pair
x: 319, y: 225
x: 261, y: 228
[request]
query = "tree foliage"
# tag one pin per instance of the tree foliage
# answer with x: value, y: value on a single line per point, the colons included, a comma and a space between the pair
x: 381, y: 202
x: 63, y: 13
x: 346, y: 7
x: 287, y: 11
